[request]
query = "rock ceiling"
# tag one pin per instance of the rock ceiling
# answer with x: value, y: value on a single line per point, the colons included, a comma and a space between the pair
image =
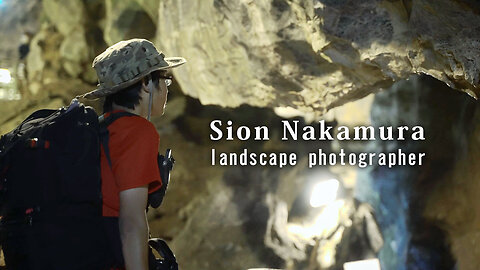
x: 296, y: 57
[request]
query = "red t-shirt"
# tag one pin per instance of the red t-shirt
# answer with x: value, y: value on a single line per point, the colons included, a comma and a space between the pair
x: 133, y: 145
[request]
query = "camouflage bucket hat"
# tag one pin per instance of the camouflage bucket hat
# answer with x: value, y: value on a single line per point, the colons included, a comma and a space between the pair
x: 126, y: 63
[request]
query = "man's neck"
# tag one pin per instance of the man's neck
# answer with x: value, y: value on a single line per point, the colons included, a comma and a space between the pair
x: 137, y: 110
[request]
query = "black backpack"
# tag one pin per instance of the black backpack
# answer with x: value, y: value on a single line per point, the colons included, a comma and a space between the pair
x: 50, y: 190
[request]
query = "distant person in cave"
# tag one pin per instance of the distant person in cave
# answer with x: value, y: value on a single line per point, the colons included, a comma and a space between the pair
x: 21, y: 69
x: 132, y: 78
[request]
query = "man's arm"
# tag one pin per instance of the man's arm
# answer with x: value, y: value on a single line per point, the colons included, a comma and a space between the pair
x: 134, y: 227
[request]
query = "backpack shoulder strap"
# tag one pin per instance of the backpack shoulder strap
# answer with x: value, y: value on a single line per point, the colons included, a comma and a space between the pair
x: 114, y: 116
x: 104, y: 136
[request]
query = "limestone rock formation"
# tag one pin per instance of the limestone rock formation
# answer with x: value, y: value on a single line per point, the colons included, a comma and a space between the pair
x: 298, y: 57
x: 304, y: 57
x: 294, y: 57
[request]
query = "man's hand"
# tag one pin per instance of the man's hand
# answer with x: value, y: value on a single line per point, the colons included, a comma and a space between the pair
x: 134, y: 227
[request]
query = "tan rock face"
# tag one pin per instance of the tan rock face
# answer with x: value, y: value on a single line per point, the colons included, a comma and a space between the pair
x: 310, y: 56
x: 299, y: 57
x: 454, y: 204
x: 129, y: 19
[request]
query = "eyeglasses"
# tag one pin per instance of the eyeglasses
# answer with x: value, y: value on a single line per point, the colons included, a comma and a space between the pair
x: 168, y: 80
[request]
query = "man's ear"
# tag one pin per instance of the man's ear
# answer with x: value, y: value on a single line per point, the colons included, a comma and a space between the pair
x: 147, y: 86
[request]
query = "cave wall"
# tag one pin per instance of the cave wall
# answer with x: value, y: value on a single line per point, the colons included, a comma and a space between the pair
x: 314, y: 55
x: 229, y: 217
x: 414, y: 204
x: 453, y: 203
x: 297, y: 58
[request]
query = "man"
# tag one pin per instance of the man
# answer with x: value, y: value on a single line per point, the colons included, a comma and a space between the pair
x: 132, y: 78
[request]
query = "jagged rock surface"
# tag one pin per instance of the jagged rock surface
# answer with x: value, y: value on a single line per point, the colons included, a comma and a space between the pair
x: 304, y: 57
x: 298, y: 57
